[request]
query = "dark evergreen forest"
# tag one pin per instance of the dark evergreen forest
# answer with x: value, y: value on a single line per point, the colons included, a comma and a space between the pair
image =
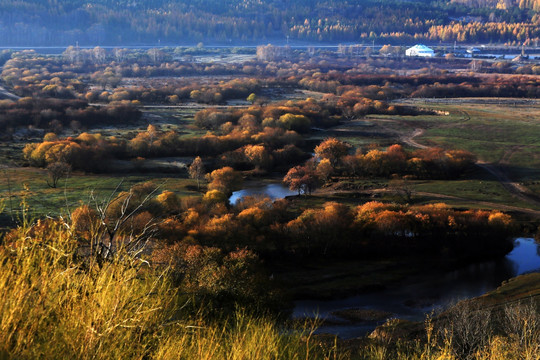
x: 187, y: 22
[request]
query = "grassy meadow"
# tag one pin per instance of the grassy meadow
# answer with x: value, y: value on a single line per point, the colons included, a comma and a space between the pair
x: 504, y: 133
x: 31, y: 185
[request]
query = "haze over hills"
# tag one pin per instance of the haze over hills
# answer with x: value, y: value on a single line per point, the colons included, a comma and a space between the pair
x: 186, y: 22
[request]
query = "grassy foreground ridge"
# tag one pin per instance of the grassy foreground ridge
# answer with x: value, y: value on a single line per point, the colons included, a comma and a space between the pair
x: 58, y: 303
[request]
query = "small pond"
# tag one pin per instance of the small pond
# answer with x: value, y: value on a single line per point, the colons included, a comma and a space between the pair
x: 274, y: 191
x: 421, y: 294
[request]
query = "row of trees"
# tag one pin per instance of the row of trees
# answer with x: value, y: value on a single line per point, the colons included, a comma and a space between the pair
x: 332, y: 158
x: 264, y: 148
x: 52, y: 77
x: 54, y: 114
x: 175, y: 92
x: 272, y: 229
x: 385, y: 87
x: 249, y: 145
x: 299, y: 116
x: 353, y: 82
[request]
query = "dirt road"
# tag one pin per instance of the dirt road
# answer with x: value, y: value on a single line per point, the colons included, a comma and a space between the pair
x: 409, y: 139
x: 511, y: 186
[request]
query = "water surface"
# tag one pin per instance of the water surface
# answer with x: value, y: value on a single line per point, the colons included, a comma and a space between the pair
x: 411, y: 300
x: 274, y: 191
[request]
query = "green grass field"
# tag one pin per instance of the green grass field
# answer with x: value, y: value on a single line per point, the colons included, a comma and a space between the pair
x: 497, y: 133
x: 17, y: 184
x: 505, y: 134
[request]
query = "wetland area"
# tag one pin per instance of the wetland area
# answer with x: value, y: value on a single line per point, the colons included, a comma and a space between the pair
x: 302, y: 181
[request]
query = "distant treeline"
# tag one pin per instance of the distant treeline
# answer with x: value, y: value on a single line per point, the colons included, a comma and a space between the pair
x: 262, y: 137
x: 50, y: 22
x: 55, y: 114
x: 103, y: 76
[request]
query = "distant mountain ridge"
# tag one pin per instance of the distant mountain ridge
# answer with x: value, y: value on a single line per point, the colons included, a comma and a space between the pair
x: 153, y: 22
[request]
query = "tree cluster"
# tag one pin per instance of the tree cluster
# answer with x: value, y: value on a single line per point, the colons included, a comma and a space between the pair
x: 55, y: 114
x: 431, y: 163
x: 262, y: 148
x: 273, y: 229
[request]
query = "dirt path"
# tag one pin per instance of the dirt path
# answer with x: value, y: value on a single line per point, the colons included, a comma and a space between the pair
x: 409, y: 139
x: 512, y: 187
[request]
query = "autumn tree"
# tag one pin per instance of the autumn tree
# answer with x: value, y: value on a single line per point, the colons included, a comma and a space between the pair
x: 332, y: 149
x: 303, y: 179
x: 258, y: 155
x: 214, y: 197
x: 196, y: 171
x: 85, y: 222
x: 252, y: 98
x: 56, y: 171
x: 325, y: 169
x: 169, y: 201
x: 298, y: 123
x: 225, y: 180
x: 353, y: 164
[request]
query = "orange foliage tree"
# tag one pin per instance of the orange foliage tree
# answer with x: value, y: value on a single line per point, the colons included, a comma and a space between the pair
x: 225, y: 180
x: 332, y: 149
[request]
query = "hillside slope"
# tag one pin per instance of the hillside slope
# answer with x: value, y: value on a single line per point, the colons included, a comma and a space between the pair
x: 121, y: 22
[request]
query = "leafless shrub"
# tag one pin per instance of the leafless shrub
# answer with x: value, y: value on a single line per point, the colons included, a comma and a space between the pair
x: 120, y: 222
x: 469, y: 328
x: 56, y: 171
x: 521, y: 323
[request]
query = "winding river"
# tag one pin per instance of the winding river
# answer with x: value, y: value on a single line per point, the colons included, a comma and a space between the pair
x: 422, y: 294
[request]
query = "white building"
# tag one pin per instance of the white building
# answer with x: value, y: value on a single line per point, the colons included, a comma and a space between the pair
x: 420, y: 50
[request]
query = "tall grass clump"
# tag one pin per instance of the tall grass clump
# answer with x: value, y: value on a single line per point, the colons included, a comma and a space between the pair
x: 247, y: 338
x: 57, y: 303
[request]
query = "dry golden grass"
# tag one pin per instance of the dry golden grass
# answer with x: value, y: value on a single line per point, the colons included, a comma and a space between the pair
x: 57, y: 305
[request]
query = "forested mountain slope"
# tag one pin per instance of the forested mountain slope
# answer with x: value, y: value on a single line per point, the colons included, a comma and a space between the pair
x: 120, y: 22
x: 502, y: 4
